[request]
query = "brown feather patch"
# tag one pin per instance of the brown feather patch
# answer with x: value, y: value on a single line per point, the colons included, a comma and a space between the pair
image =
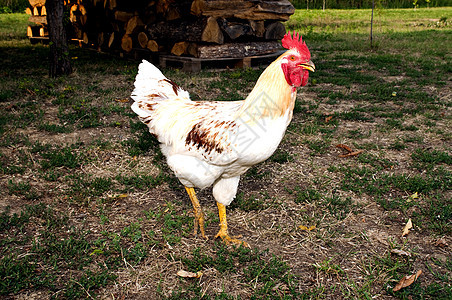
x: 175, y: 86
x: 201, y: 138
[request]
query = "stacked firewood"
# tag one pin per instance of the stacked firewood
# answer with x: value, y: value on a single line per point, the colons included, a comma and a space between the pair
x: 38, y: 15
x: 197, y: 28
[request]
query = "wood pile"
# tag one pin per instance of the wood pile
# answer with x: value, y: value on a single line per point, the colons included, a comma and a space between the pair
x: 197, y: 28
x: 38, y: 15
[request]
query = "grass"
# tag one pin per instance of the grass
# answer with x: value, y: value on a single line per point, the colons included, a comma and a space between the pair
x: 90, y: 210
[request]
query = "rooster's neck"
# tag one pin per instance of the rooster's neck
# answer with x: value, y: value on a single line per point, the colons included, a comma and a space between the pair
x: 271, y: 97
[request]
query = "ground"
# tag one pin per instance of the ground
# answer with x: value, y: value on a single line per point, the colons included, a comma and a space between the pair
x: 89, y: 208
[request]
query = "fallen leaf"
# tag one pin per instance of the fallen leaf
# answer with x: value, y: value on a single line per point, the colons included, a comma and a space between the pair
x: 400, y: 252
x: 414, y: 196
x: 116, y: 196
x: 441, y: 243
x: 96, y: 251
x: 10, y: 106
x: 407, y: 227
x: 327, y: 119
x: 344, y: 147
x: 122, y: 100
x: 354, y: 153
x: 31, y: 92
x: 187, y: 274
x: 302, y: 227
x: 407, y: 281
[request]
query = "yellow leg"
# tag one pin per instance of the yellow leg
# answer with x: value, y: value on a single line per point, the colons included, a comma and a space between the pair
x: 199, y: 215
x: 223, y: 233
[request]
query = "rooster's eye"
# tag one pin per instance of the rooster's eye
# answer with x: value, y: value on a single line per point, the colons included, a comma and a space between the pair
x: 292, y: 57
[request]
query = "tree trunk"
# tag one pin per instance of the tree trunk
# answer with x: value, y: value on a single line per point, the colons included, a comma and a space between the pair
x: 59, y: 52
x: 371, y: 24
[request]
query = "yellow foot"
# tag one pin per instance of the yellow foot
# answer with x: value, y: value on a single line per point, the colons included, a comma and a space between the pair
x: 199, y: 215
x: 199, y: 221
x: 223, y: 234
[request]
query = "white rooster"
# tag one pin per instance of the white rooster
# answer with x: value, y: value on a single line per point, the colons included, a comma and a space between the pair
x: 213, y: 143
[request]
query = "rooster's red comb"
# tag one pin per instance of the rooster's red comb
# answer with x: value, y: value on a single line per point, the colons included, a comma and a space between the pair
x: 295, y: 42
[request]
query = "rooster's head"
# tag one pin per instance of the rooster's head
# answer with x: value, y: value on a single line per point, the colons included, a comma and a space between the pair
x: 296, y: 62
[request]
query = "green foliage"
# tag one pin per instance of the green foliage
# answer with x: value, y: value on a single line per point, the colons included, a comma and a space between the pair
x: 140, y: 182
x: 63, y: 157
x: 268, y: 276
x: 434, y: 157
x: 143, y: 142
x: 318, y: 147
x: 13, y: 6
x: 22, y: 189
x: 349, y: 4
x: 251, y: 203
x: 307, y: 195
x: 281, y: 156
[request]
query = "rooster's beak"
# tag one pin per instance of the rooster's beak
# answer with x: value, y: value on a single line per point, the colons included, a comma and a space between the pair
x: 308, y: 66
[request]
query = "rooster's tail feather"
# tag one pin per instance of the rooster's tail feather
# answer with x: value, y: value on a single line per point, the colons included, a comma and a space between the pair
x: 151, y: 84
x: 151, y: 87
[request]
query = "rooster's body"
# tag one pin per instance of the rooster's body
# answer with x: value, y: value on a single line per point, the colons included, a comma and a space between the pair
x: 214, y: 143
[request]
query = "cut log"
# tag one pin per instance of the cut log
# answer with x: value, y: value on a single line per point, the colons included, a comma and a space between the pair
x: 38, y: 19
x: 43, y: 11
x: 73, y: 11
x: 111, y: 40
x: 172, y: 14
x: 43, y: 32
x: 258, y: 28
x: 212, y: 32
x: 34, y: 3
x: 153, y: 46
x: 82, y: 9
x: 126, y: 43
x: 235, y: 30
x: 201, y: 29
x: 142, y: 39
x: 98, y: 3
x: 275, y: 31
x: 251, y: 10
x: 110, y: 4
x: 33, y: 31
x: 123, y: 16
x: 133, y: 25
x: 85, y: 38
x: 83, y: 19
x: 162, y: 6
x: 192, y: 49
x: 36, y: 11
x: 78, y: 32
x: 28, y: 11
x: 176, y: 31
x: 100, y: 39
x: 180, y: 48
x: 237, y: 50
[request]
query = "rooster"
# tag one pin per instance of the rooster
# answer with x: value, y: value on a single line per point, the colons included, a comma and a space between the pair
x: 212, y: 143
